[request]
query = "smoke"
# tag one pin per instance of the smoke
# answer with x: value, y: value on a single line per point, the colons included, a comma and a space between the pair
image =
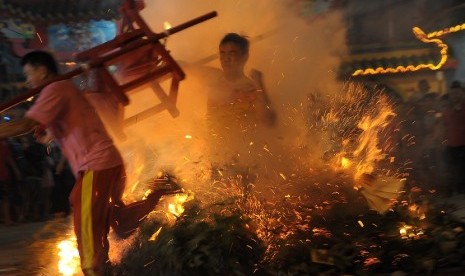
x: 297, y: 55
x: 287, y: 47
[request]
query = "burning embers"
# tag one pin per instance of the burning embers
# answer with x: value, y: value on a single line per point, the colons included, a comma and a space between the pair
x: 410, y: 232
x: 307, y: 218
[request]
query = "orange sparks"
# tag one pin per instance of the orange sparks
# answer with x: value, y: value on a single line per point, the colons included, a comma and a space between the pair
x: 40, y: 38
x: 166, y: 25
x: 410, y: 232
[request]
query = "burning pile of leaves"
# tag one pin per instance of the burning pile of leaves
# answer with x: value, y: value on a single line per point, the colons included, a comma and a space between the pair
x: 298, y: 235
x: 314, y: 222
x: 201, y: 242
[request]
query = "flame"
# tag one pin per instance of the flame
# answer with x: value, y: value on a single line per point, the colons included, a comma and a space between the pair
x: 176, y: 206
x: 363, y: 130
x: 68, y: 263
x: 345, y: 162
x: 134, y: 172
x: 166, y: 25
x: 155, y: 235
x: 404, y: 230
x: 410, y: 232
x: 418, y: 211
x: 367, y: 150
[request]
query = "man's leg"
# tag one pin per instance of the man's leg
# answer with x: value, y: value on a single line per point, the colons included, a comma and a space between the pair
x: 91, y: 209
x: 127, y: 218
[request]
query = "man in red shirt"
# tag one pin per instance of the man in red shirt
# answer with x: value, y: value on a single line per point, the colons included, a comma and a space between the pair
x: 96, y: 198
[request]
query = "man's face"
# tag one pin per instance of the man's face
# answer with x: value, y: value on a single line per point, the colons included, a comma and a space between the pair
x: 232, y: 59
x: 34, y: 75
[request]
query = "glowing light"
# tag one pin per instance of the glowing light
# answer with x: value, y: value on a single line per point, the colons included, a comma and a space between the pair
x: 166, y: 25
x: 361, y: 150
x: 445, y: 31
x: 368, y: 149
x: 155, y: 235
x: 419, y: 211
x: 371, y: 261
x: 176, y: 207
x: 134, y: 173
x: 187, y: 136
x: 404, y: 230
x: 410, y: 68
x: 68, y: 263
x: 410, y: 232
x: 345, y: 162
x: 40, y: 38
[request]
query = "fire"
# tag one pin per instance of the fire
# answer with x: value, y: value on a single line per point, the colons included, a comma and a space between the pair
x: 418, y: 210
x: 368, y: 147
x: 404, y: 230
x: 362, y: 129
x: 345, y: 162
x: 134, y: 173
x: 68, y: 263
x: 410, y: 232
x: 176, y: 206
x: 363, y: 149
x: 155, y: 235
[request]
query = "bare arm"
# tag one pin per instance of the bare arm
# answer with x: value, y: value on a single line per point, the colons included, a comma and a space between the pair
x: 266, y: 110
x: 17, y: 127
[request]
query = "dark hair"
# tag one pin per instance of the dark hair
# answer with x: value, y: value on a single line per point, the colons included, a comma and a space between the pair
x: 40, y: 58
x: 238, y: 40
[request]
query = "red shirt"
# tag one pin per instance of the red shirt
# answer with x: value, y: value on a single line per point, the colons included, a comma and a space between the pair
x: 75, y: 126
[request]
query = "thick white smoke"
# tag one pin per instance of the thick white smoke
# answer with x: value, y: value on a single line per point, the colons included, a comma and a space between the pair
x: 297, y: 55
